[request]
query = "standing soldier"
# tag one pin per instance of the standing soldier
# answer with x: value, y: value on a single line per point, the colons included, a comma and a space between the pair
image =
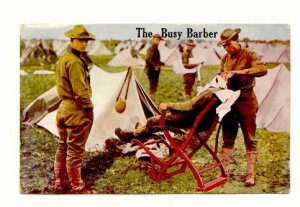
x: 188, y: 78
x: 75, y: 113
x: 244, y: 66
x: 153, y: 64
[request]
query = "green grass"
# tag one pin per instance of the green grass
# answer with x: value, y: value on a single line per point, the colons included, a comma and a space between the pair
x: 108, y: 173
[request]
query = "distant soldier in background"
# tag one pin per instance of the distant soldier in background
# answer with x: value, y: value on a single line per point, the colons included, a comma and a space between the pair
x: 188, y: 78
x: 153, y: 64
x: 75, y: 113
x: 244, y: 65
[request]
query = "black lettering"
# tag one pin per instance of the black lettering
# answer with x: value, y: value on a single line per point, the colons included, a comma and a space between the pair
x: 189, y: 33
x: 164, y: 32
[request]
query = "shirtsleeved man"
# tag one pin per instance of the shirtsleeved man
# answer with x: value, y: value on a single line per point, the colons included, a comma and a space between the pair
x: 153, y: 64
x: 75, y: 113
x: 244, y: 65
x: 188, y: 78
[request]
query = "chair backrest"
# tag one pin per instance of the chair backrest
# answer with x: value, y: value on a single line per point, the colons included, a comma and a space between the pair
x: 207, y: 116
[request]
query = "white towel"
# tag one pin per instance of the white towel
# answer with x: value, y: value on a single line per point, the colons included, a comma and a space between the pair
x: 226, y: 96
x: 180, y: 69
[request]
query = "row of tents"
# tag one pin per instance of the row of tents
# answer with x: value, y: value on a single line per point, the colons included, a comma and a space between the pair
x: 38, y: 52
x: 130, y: 53
x: 272, y: 90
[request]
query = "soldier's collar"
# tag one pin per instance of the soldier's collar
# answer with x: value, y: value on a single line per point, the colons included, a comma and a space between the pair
x: 76, y: 52
x: 83, y: 57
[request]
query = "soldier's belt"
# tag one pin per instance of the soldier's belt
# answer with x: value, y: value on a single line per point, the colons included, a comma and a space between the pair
x: 245, y: 90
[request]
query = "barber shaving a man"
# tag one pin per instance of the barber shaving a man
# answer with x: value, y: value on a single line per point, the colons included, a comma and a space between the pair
x: 243, y: 65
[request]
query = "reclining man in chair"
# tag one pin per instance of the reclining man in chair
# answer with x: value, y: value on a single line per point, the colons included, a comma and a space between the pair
x: 181, y: 114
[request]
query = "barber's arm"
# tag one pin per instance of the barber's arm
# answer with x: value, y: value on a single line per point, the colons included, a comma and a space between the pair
x: 257, y: 69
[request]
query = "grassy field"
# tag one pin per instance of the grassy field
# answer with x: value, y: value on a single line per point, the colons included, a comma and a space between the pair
x: 109, y: 173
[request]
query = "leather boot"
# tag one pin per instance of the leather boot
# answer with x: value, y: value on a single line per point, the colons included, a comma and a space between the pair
x: 59, y: 173
x: 250, y: 175
x: 77, y: 184
x: 124, y: 136
x: 226, y: 154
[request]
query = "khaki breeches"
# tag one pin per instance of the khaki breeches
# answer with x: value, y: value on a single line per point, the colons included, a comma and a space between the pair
x: 189, y: 81
x: 74, y: 127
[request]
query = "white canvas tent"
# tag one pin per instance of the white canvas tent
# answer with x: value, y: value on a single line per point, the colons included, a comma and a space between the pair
x: 106, y: 87
x: 205, y: 44
x: 47, y: 44
x: 60, y: 46
x: 277, y: 54
x: 30, y: 43
x: 168, y: 55
x: 273, y: 95
x: 120, y: 47
x: 260, y: 48
x: 138, y: 46
x: 97, y: 48
x: 125, y: 58
x: 143, y: 51
x: 220, y: 51
x: 26, y: 52
x: 208, y: 56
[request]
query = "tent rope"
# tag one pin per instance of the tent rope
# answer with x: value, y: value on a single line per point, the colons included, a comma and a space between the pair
x: 128, y: 79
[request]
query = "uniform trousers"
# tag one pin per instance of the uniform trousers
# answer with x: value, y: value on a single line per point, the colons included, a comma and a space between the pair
x: 74, y: 126
x: 243, y: 113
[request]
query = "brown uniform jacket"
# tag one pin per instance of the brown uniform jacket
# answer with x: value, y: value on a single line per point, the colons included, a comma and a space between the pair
x: 152, y: 58
x: 72, y: 78
x: 244, y: 59
x: 185, y: 58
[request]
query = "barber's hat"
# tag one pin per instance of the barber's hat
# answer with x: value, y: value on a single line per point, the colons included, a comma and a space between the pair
x: 227, y: 35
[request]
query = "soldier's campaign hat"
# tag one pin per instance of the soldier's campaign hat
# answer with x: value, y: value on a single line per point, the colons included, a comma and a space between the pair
x: 80, y: 32
x: 157, y: 36
x: 227, y: 35
x: 190, y: 42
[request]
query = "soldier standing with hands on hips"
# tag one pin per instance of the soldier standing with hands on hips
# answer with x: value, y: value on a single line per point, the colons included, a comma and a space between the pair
x: 243, y: 65
x: 153, y: 64
x: 75, y: 113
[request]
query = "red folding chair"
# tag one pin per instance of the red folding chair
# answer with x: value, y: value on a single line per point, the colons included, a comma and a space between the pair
x: 181, y: 157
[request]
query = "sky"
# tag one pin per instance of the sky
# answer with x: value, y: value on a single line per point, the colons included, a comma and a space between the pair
x: 130, y: 31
